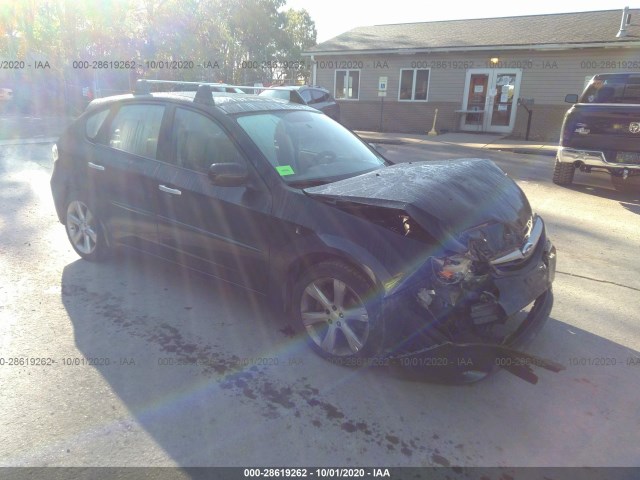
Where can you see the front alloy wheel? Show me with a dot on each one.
(334, 302)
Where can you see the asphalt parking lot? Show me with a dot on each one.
(116, 384)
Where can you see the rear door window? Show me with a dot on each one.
(135, 129)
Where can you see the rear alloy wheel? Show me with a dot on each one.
(563, 173)
(84, 231)
(335, 304)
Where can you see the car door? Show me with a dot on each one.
(122, 170)
(222, 230)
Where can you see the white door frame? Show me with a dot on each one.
(493, 74)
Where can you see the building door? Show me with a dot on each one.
(493, 94)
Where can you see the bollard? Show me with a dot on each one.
(433, 128)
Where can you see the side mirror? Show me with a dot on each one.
(228, 174)
(571, 98)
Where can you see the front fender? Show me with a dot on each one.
(289, 259)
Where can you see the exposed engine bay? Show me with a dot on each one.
(466, 302)
(486, 297)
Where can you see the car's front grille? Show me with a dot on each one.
(533, 232)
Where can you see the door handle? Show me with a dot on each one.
(95, 166)
(172, 191)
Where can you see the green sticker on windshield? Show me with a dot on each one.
(285, 170)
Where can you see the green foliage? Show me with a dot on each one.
(230, 36)
(299, 35)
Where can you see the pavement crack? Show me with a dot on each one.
(598, 280)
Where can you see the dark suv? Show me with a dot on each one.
(367, 258)
(602, 131)
(316, 97)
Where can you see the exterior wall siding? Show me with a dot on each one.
(546, 78)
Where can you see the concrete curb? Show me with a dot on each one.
(522, 148)
(550, 152)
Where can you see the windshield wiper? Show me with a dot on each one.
(308, 183)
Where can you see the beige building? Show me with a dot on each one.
(394, 77)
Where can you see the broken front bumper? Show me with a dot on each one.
(451, 345)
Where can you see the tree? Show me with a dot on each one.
(299, 35)
(244, 40)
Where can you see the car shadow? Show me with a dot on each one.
(628, 200)
(628, 197)
(599, 184)
(216, 378)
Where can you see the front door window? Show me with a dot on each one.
(504, 100)
(476, 99)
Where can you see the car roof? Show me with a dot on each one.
(623, 76)
(227, 103)
(298, 87)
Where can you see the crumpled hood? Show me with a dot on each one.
(447, 198)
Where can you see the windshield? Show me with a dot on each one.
(308, 148)
(613, 89)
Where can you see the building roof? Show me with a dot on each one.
(533, 31)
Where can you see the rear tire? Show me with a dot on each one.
(84, 229)
(337, 308)
(630, 185)
(563, 173)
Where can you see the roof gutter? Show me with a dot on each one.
(414, 51)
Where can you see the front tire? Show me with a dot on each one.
(563, 173)
(336, 305)
(84, 229)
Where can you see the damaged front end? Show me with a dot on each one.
(476, 269)
(462, 314)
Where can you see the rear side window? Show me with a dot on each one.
(94, 123)
(135, 129)
(318, 96)
(306, 95)
(613, 89)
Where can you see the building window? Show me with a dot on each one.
(347, 84)
(414, 85)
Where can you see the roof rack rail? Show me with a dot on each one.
(146, 83)
(142, 88)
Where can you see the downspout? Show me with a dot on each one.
(313, 70)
